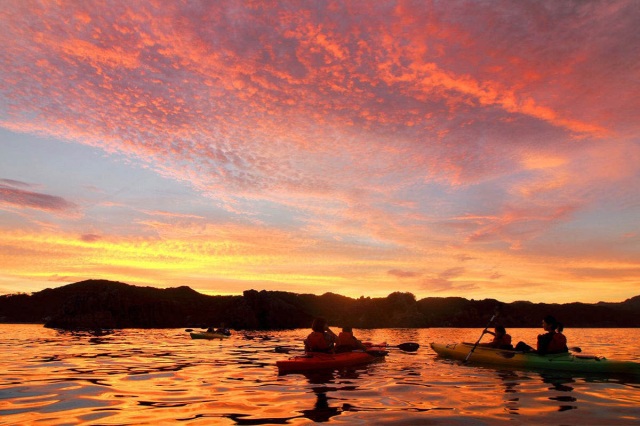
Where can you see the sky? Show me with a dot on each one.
(477, 149)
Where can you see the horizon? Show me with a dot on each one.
(316, 294)
(485, 150)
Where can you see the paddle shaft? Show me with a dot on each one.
(480, 338)
(406, 347)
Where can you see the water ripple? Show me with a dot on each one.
(162, 376)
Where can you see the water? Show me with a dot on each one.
(163, 377)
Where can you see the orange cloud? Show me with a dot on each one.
(356, 141)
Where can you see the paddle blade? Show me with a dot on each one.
(282, 350)
(408, 347)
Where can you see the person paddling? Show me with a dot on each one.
(347, 342)
(551, 342)
(223, 330)
(321, 339)
(501, 340)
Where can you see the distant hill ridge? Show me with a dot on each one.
(101, 304)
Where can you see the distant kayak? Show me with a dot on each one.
(564, 361)
(311, 361)
(208, 336)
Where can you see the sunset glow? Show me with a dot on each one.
(459, 148)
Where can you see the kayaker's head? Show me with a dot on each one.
(319, 325)
(347, 329)
(549, 323)
(500, 330)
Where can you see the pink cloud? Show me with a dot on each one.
(403, 274)
(15, 184)
(33, 200)
(172, 215)
(90, 238)
(517, 225)
(186, 87)
(387, 126)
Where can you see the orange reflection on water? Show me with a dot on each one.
(163, 376)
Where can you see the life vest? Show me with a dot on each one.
(558, 344)
(316, 342)
(503, 342)
(552, 343)
(346, 339)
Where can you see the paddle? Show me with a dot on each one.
(285, 350)
(407, 347)
(480, 338)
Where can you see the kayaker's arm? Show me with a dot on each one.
(331, 333)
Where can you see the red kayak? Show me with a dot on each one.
(324, 361)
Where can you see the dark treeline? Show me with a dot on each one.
(98, 304)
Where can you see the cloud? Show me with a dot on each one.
(15, 184)
(171, 214)
(445, 281)
(90, 238)
(462, 131)
(33, 200)
(403, 274)
(65, 278)
(451, 273)
(191, 92)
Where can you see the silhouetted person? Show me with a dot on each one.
(551, 342)
(501, 340)
(347, 341)
(321, 339)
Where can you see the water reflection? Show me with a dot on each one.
(513, 380)
(518, 384)
(322, 411)
(510, 381)
(561, 384)
(162, 377)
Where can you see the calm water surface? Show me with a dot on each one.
(162, 376)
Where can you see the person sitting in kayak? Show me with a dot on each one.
(321, 339)
(501, 339)
(347, 342)
(551, 342)
(221, 330)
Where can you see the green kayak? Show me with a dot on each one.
(208, 336)
(564, 361)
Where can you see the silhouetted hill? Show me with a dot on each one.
(99, 304)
